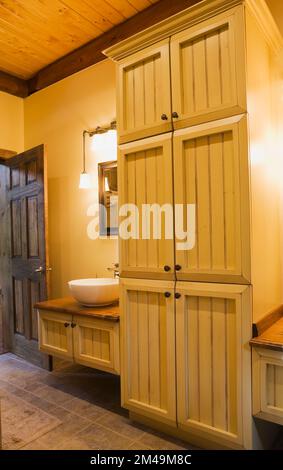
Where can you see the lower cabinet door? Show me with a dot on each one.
(55, 334)
(148, 348)
(268, 384)
(213, 329)
(96, 343)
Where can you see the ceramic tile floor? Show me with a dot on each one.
(87, 404)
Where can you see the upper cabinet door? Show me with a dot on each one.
(208, 70)
(146, 183)
(144, 102)
(211, 174)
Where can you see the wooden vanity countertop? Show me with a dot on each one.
(69, 305)
(270, 337)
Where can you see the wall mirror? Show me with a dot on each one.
(108, 198)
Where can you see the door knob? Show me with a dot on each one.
(167, 268)
(73, 325)
(167, 294)
(177, 295)
(175, 115)
(164, 117)
(39, 270)
(66, 325)
(178, 267)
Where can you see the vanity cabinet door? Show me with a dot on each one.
(268, 384)
(208, 70)
(96, 343)
(211, 173)
(148, 349)
(55, 333)
(145, 180)
(144, 101)
(213, 329)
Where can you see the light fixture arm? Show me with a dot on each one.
(102, 129)
(85, 182)
(84, 134)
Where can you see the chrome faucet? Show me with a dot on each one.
(115, 270)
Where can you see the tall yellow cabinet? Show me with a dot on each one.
(191, 100)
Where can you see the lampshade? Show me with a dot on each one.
(85, 181)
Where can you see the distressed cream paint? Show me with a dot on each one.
(57, 116)
(11, 122)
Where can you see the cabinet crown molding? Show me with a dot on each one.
(267, 24)
(174, 24)
(193, 15)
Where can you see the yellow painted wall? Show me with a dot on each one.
(266, 171)
(57, 116)
(11, 122)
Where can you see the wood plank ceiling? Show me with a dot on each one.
(35, 33)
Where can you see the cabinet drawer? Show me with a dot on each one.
(55, 334)
(268, 384)
(96, 343)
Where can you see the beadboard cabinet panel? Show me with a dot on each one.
(144, 101)
(208, 70)
(268, 384)
(148, 348)
(96, 343)
(211, 171)
(213, 380)
(55, 334)
(145, 177)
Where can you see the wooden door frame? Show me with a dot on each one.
(6, 300)
(5, 328)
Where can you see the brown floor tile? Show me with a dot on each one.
(97, 437)
(87, 403)
(71, 425)
(161, 442)
(74, 443)
(53, 395)
(138, 445)
(85, 409)
(34, 445)
(122, 425)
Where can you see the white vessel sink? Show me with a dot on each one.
(95, 292)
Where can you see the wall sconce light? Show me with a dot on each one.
(85, 180)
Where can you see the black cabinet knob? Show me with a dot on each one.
(66, 325)
(175, 115)
(167, 294)
(167, 268)
(164, 117)
(178, 267)
(73, 325)
(177, 295)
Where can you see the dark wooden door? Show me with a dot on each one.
(26, 199)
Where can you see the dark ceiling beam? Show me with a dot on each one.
(91, 53)
(13, 85)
